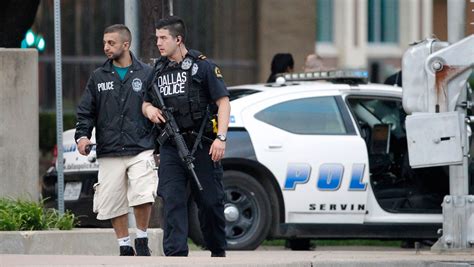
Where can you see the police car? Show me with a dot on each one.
(315, 156)
(324, 155)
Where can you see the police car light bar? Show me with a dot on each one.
(336, 76)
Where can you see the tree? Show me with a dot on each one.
(16, 17)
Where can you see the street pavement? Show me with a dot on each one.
(264, 256)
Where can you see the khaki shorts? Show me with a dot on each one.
(123, 182)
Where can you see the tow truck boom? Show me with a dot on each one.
(436, 95)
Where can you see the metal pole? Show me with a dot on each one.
(456, 20)
(170, 5)
(457, 207)
(131, 9)
(458, 174)
(59, 104)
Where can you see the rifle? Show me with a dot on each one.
(171, 129)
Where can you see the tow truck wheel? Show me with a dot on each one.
(247, 212)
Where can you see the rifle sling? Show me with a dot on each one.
(201, 131)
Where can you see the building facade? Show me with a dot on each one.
(243, 35)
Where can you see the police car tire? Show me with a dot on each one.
(242, 183)
(236, 183)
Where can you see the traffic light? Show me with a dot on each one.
(33, 40)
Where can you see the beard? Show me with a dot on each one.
(116, 55)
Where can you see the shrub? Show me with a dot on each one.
(21, 215)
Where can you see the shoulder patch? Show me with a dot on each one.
(202, 57)
(217, 71)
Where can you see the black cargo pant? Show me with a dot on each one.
(173, 180)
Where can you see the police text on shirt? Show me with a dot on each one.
(172, 83)
(105, 86)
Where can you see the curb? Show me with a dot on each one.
(99, 242)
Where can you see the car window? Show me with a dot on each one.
(316, 115)
(238, 93)
(386, 111)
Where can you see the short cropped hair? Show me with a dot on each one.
(122, 30)
(174, 24)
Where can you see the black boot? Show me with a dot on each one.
(218, 254)
(127, 251)
(141, 245)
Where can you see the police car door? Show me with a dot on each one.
(308, 141)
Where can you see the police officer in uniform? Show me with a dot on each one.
(193, 88)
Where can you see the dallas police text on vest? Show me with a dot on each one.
(172, 83)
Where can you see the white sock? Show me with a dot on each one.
(141, 234)
(125, 241)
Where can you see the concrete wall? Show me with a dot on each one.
(82, 241)
(19, 123)
(285, 27)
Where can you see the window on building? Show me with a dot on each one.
(324, 20)
(383, 21)
(316, 115)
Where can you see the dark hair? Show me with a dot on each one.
(174, 24)
(280, 64)
(394, 79)
(122, 30)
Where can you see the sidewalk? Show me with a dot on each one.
(326, 257)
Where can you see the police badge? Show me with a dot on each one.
(195, 69)
(137, 85)
(186, 64)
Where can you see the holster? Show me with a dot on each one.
(163, 136)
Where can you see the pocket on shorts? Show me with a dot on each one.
(95, 202)
(152, 174)
(151, 164)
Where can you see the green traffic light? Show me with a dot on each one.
(23, 44)
(33, 40)
(41, 43)
(30, 38)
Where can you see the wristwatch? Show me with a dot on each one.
(221, 137)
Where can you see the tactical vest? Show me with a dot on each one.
(182, 92)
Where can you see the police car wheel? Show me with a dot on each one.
(247, 211)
